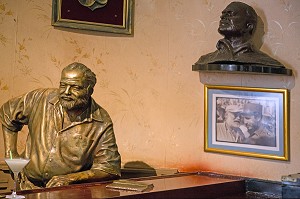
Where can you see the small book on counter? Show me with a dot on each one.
(130, 185)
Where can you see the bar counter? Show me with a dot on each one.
(182, 185)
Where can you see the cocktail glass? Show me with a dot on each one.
(16, 165)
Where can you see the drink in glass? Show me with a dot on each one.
(16, 165)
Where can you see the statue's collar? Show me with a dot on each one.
(225, 45)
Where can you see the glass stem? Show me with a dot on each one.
(15, 183)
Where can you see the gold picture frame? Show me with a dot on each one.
(259, 121)
(114, 16)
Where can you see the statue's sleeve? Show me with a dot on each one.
(107, 157)
(15, 113)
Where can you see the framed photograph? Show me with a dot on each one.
(247, 121)
(113, 16)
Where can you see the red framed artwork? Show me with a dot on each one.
(113, 16)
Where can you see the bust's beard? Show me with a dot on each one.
(232, 31)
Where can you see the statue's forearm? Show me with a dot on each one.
(90, 175)
(10, 142)
(84, 176)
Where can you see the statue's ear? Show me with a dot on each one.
(90, 90)
(250, 27)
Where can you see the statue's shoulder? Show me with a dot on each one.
(256, 56)
(265, 59)
(44, 90)
(99, 112)
(207, 58)
(48, 94)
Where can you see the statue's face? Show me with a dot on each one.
(73, 90)
(233, 20)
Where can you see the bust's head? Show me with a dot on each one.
(238, 20)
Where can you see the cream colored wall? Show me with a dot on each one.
(145, 81)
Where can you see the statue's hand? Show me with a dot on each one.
(57, 181)
(25, 184)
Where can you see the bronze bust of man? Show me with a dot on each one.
(71, 138)
(237, 24)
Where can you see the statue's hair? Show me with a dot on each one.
(89, 75)
(250, 13)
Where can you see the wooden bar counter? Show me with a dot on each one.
(182, 185)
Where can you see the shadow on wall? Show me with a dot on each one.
(258, 38)
(137, 169)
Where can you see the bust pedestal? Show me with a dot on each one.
(245, 75)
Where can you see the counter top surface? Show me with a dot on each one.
(165, 186)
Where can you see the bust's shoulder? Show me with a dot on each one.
(207, 58)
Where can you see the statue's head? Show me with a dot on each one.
(237, 20)
(76, 86)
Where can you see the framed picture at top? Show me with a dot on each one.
(246, 121)
(113, 16)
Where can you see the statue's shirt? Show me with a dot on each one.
(53, 150)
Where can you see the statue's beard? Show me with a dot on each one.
(231, 32)
(75, 103)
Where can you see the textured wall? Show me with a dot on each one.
(145, 81)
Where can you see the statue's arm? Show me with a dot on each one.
(10, 142)
(14, 114)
